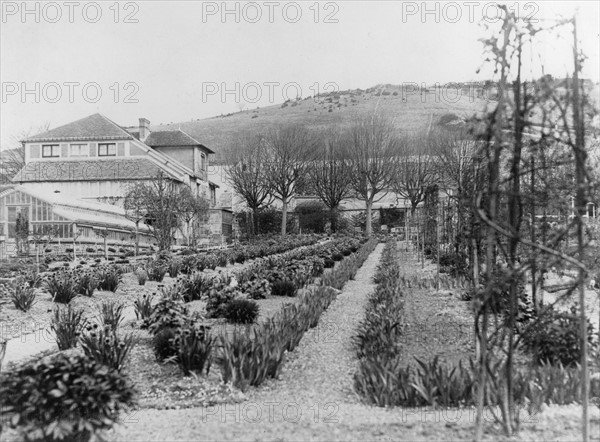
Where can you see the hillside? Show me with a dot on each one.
(414, 112)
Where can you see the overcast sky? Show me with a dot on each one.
(173, 61)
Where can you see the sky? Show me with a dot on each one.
(171, 61)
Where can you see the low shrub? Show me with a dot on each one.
(109, 278)
(67, 324)
(22, 295)
(283, 288)
(168, 313)
(62, 287)
(66, 398)
(104, 345)
(337, 256)
(218, 298)
(257, 288)
(555, 337)
(329, 263)
(163, 344)
(241, 311)
(453, 264)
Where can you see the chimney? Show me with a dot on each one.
(144, 129)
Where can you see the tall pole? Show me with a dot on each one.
(580, 157)
(437, 244)
(533, 266)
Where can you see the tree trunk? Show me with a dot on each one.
(333, 215)
(284, 217)
(369, 226)
(254, 227)
(137, 238)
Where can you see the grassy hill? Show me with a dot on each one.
(410, 112)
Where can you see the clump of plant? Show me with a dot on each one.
(163, 344)
(33, 279)
(168, 313)
(87, 283)
(142, 276)
(283, 288)
(218, 298)
(109, 278)
(250, 358)
(156, 270)
(104, 345)
(337, 256)
(143, 307)
(257, 288)
(454, 264)
(62, 287)
(194, 286)
(66, 398)
(241, 311)
(22, 295)
(111, 314)
(555, 337)
(194, 347)
(174, 267)
(67, 324)
(328, 263)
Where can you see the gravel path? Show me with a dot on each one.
(313, 399)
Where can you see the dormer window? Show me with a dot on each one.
(50, 151)
(79, 150)
(107, 149)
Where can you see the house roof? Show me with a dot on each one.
(172, 138)
(94, 127)
(86, 170)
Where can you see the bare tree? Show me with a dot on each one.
(246, 173)
(290, 150)
(135, 207)
(415, 170)
(191, 208)
(371, 153)
(161, 198)
(330, 175)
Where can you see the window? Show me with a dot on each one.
(79, 150)
(50, 151)
(202, 161)
(107, 149)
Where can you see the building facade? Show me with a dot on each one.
(80, 173)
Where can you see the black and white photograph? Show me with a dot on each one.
(299, 221)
